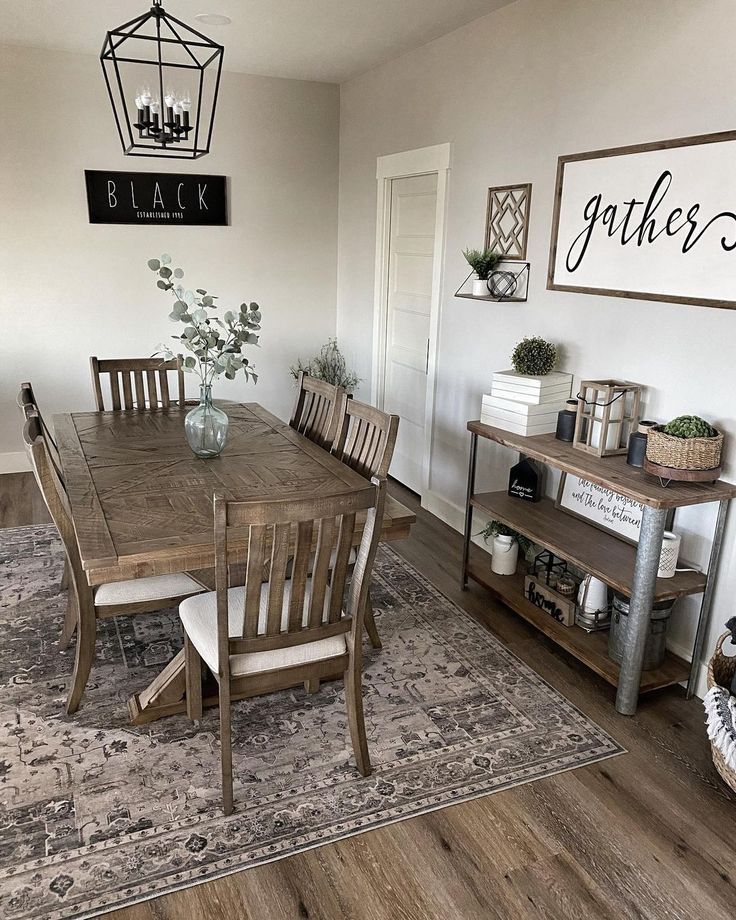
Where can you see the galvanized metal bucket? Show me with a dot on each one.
(655, 647)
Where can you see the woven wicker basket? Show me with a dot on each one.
(684, 453)
(721, 669)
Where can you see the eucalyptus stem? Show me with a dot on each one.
(216, 343)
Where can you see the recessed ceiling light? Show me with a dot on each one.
(213, 19)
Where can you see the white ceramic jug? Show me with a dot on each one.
(505, 555)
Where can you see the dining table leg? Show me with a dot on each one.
(165, 695)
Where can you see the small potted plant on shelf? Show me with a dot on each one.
(688, 447)
(483, 262)
(505, 547)
(329, 365)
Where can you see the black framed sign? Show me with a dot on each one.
(156, 198)
(651, 221)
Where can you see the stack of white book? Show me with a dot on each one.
(525, 405)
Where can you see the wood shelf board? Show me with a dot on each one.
(589, 648)
(593, 550)
(494, 299)
(610, 472)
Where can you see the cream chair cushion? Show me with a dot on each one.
(139, 590)
(199, 618)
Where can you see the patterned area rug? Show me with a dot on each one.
(96, 814)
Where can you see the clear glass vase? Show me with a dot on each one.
(206, 426)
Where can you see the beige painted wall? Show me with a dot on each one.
(511, 92)
(70, 289)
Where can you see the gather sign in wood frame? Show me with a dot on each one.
(652, 221)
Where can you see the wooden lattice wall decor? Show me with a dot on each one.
(507, 219)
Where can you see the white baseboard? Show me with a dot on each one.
(14, 462)
(454, 516)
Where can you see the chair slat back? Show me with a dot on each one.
(315, 409)
(53, 491)
(27, 404)
(136, 383)
(285, 611)
(366, 438)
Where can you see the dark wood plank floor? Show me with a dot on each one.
(649, 834)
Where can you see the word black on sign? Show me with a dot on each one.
(155, 198)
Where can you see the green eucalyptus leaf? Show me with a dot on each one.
(178, 273)
(154, 265)
(188, 297)
(165, 272)
(201, 291)
(161, 284)
(254, 306)
(174, 318)
(165, 259)
(229, 316)
(252, 339)
(190, 362)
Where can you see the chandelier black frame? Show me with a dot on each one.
(147, 124)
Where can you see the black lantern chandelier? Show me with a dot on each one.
(163, 78)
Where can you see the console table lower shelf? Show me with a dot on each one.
(589, 648)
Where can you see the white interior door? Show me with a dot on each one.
(412, 220)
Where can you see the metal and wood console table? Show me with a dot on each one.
(629, 569)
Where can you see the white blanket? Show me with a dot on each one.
(720, 708)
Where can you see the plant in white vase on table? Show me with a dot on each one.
(216, 345)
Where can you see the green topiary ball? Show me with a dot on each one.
(689, 426)
(534, 357)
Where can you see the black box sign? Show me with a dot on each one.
(155, 198)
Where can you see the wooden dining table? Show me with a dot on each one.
(141, 501)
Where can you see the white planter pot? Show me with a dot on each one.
(505, 555)
(480, 287)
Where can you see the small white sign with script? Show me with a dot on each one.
(605, 509)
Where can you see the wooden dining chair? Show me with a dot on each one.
(365, 441)
(366, 438)
(140, 595)
(28, 406)
(269, 636)
(137, 383)
(315, 409)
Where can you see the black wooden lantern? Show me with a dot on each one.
(163, 78)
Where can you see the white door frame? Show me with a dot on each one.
(419, 162)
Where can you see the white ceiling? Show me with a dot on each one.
(327, 40)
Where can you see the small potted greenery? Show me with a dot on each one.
(534, 357)
(505, 546)
(687, 443)
(329, 365)
(483, 262)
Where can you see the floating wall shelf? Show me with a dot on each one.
(509, 283)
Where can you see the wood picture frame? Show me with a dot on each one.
(504, 201)
(649, 221)
(588, 507)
